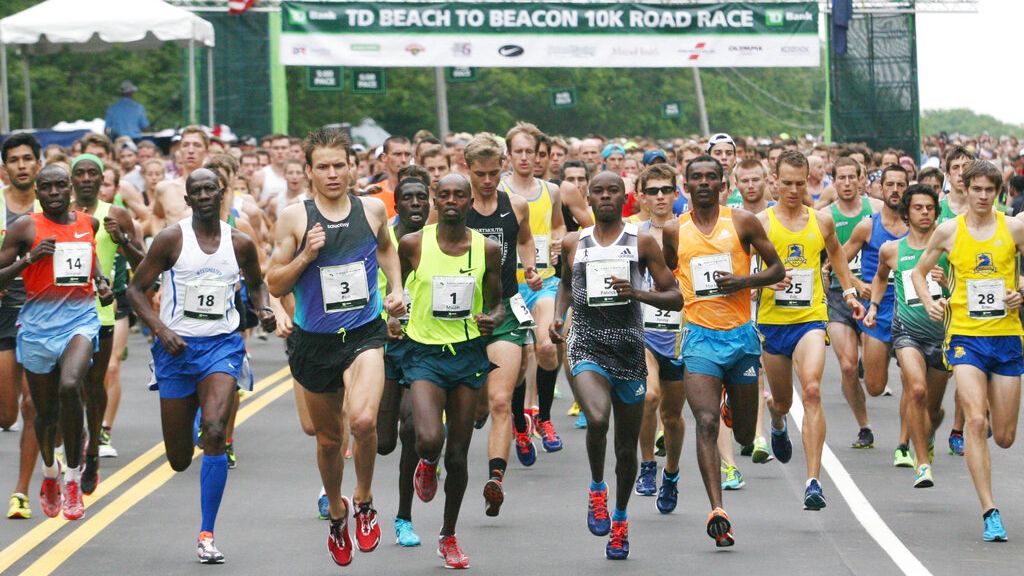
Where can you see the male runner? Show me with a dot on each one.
(327, 253)
(983, 324)
(198, 352)
(722, 147)
(21, 165)
(601, 278)
(168, 199)
(397, 153)
(113, 237)
(791, 314)
(504, 218)
(916, 338)
(665, 393)
(850, 207)
(866, 239)
(454, 275)
(53, 251)
(548, 228)
(269, 181)
(720, 348)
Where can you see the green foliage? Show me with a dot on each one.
(966, 122)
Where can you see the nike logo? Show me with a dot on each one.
(81, 235)
(466, 270)
(503, 214)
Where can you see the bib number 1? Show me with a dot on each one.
(452, 297)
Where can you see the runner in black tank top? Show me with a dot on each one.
(502, 227)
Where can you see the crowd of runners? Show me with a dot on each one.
(431, 287)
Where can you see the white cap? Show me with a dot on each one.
(931, 162)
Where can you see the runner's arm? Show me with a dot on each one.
(570, 195)
(525, 246)
(670, 243)
(836, 256)
(938, 244)
(492, 290)
(118, 223)
(886, 262)
(752, 232)
(157, 260)
(387, 259)
(858, 238)
(249, 262)
(16, 243)
(563, 298)
(665, 294)
(285, 265)
(828, 196)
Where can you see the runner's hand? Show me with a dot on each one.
(45, 247)
(1013, 299)
(623, 288)
(285, 326)
(555, 331)
(939, 275)
(863, 288)
(533, 280)
(394, 303)
(268, 321)
(936, 308)
(781, 285)
(394, 329)
(172, 343)
(727, 283)
(114, 230)
(857, 308)
(103, 291)
(315, 240)
(869, 318)
(485, 323)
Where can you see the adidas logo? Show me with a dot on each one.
(751, 372)
(640, 392)
(626, 253)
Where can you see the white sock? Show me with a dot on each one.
(809, 482)
(73, 474)
(51, 472)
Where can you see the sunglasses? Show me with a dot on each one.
(666, 190)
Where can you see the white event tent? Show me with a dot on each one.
(96, 25)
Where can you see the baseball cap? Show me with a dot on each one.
(720, 138)
(651, 155)
(127, 87)
(612, 149)
(129, 145)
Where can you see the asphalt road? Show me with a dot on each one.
(144, 518)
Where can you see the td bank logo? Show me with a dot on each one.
(296, 16)
(774, 17)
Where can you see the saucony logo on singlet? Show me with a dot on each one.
(466, 270)
(338, 225)
(81, 234)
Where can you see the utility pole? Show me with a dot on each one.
(701, 108)
(441, 95)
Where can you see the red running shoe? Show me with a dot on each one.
(494, 494)
(339, 544)
(726, 410)
(425, 480)
(449, 551)
(49, 496)
(720, 528)
(74, 508)
(367, 530)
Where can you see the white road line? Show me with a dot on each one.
(860, 506)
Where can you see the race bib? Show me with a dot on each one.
(985, 298)
(206, 300)
(599, 282)
(702, 271)
(72, 263)
(662, 320)
(407, 299)
(910, 293)
(800, 291)
(542, 247)
(855, 264)
(521, 312)
(452, 297)
(344, 287)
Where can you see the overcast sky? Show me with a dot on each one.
(988, 42)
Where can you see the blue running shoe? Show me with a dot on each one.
(549, 439)
(956, 443)
(646, 481)
(994, 531)
(782, 446)
(618, 543)
(525, 450)
(668, 495)
(733, 478)
(598, 520)
(581, 421)
(404, 534)
(813, 497)
(323, 506)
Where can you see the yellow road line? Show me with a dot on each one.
(49, 527)
(88, 530)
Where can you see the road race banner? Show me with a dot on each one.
(539, 34)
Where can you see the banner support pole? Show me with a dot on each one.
(702, 110)
(441, 96)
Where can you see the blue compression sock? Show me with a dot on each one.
(598, 485)
(213, 476)
(618, 515)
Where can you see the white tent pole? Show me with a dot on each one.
(5, 110)
(26, 122)
(209, 86)
(191, 81)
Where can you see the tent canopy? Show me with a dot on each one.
(96, 25)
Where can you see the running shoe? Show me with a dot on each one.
(49, 495)
(449, 551)
(481, 421)
(207, 551)
(760, 454)
(558, 393)
(425, 480)
(19, 508)
(865, 439)
(923, 477)
(598, 520)
(901, 457)
(720, 528)
(525, 450)
(646, 481)
(106, 449)
(956, 443)
(367, 529)
(887, 391)
(494, 495)
(404, 534)
(994, 530)
(91, 474)
(659, 444)
(726, 410)
(581, 421)
(229, 451)
(339, 544)
(531, 420)
(574, 410)
(668, 495)
(747, 449)
(73, 506)
(782, 446)
(733, 478)
(323, 506)
(549, 439)
(814, 499)
(618, 542)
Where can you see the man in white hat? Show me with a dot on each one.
(126, 117)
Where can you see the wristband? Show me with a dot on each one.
(849, 292)
(267, 309)
(875, 304)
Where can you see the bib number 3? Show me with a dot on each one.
(344, 287)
